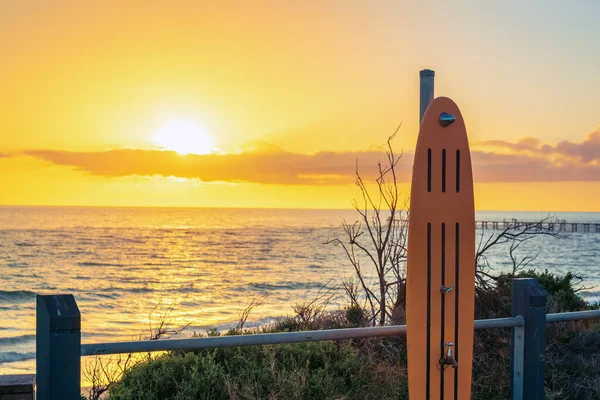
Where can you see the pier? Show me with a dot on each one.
(550, 225)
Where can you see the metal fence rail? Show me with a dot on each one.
(305, 336)
(59, 349)
(270, 338)
(572, 316)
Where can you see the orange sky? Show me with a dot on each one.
(275, 101)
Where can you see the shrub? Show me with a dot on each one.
(177, 377)
(371, 368)
(317, 370)
(572, 348)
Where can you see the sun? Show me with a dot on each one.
(184, 136)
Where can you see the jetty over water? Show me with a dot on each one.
(547, 225)
(550, 225)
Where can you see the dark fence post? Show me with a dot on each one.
(529, 301)
(58, 348)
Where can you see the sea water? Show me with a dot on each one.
(126, 266)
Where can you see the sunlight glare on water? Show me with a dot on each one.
(121, 263)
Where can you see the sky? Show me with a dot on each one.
(272, 104)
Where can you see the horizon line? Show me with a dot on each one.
(253, 208)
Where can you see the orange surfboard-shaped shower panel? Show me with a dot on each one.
(440, 280)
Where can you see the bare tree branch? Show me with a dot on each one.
(250, 306)
(385, 245)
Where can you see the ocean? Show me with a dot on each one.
(126, 266)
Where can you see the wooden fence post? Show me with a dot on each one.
(58, 348)
(17, 387)
(529, 301)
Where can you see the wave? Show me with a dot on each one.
(11, 341)
(286, 285)
(13, 296)
(98, 264)
(590, 296)
(13, 356)
(110, 292)
(24, 244)
(139, 290)
(211, 261)
(17, 265)
(138, 279)
(108, 295)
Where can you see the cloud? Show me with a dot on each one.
(274, 166)
(527, 160)
(495, 167)
(586, 151)
(531, 160)
(5, 155)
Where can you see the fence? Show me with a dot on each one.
(59, 349)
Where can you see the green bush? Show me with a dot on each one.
(571, 350)
(177, 377)
(562, 294)
(371, 368)
(496, 301)
(318, 370)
